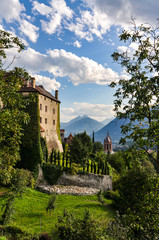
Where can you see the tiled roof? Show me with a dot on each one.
(41, 129)
(40, 90)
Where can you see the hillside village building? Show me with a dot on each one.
(68, 139)
(108, 144)
(49, 108)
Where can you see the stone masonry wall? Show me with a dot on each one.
(103, 182)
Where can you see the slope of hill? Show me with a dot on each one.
(107, 120)
(65, 124)
(114, 130)
(81, 124)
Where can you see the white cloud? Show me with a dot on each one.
(80, 69)
(119, 12)
(77, 44)
(79, 30)
(96, 111)
(41, 8)
(48, 83)
(1, 27)
(30, 30)
(57, 12)
(66, 64)
(10, 10)
(103, 14)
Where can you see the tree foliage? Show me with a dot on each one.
(13, 104)
(137, 205)
(81, 148)
(138, 93)
(97, 146)
(71, 228)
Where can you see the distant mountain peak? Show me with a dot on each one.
(85, 116)
(81, 124)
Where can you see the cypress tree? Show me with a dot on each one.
(91, 167)
(88, 166)
(55, 156)
(58, 157)
(93, 137)
(66, 159)
(63, 159)
(94, 168)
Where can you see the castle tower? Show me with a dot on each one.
(107, 144)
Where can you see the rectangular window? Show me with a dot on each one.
(53, 110)
(40, 106)
(53, 122)
(40, 119)
(44, 98)
(45, 108)
(45, 120)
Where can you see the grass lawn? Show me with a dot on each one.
(31, 216)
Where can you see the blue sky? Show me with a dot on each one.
(69, 45)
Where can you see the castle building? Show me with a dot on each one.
(49, 108)
(108, 144)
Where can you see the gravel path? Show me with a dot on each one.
(72, 190)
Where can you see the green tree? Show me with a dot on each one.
(81, 148)
(117, 161)
(12, 112)
(51, 204)
(97, 147)
(93, 137)
(137, 95)
(138, 205)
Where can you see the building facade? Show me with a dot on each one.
(49, 108)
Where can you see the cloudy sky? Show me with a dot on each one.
(69, 45)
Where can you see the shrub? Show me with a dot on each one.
(71, 228)
(100, 197)
(5, 177)
(44, 236)
(16, 233)
(73, 169)
(20, 179)
(52, 172)
(113, 195)
(8, 210)
(51, 203)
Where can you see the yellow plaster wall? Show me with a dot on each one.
(50, 129)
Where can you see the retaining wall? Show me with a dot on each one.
(103, 182)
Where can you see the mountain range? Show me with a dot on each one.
(81, 124)
(85, 123)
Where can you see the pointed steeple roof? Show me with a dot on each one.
(108, 139)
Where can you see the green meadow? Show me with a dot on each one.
(31, 216)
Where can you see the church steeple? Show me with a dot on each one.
(108, 143)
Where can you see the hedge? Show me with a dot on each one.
(52, 172)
